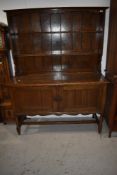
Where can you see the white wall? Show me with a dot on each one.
(17, 4)
(103, 64)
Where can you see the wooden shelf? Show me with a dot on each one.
(50, 53)
(55, 32)
(57, 78)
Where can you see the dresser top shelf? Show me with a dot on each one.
(57, 78)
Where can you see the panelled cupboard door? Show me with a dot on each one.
(82, 98)
(33, 100)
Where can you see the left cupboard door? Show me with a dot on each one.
(33, 100)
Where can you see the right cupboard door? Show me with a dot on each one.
(83, 98)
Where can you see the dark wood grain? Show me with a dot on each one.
(57, 54)
(111, 71)
(6, 113)
(111, 51)
(36, 34)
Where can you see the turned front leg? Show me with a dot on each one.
(18, 124)
(100, 123)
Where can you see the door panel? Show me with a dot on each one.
(33, 100)
(82, 98)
